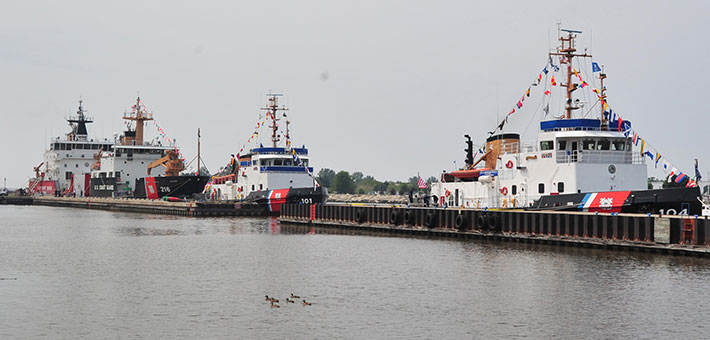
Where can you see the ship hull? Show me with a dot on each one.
(670, 201)
(271, 200)
(103, 187)
(43, 187)
(169, 186)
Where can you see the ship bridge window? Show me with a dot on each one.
(547, 145)
(588, 144)
(619, 146)
(62, 146)
(561, 145)
(603, 145)
(287, 162)
(278, 162)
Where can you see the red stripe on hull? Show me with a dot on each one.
(276, 199)
(151, 190)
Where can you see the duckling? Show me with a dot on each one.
(295, 296)
(290, 301)
(306, 303)
(273, 305)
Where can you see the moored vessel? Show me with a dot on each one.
(143, 169)
(577, 162)
(269, 176)
(65, 170)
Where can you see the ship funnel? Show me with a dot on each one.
(500, 144)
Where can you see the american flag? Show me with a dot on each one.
(420, 183)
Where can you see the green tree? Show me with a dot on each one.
(380, 186)
(343, 183)
(357, 177)
(404, 187)
(391, 188)
(413, 180)
(325, 177)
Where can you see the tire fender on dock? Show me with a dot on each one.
(461, 221)
(394, 217)
(430, 219)
(482, 221)
(360, 215)
(408, 217)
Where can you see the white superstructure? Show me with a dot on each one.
(130, 158)
(68, 160)
(564, 160)
(264, 169)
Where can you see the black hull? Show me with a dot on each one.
(170, 186)
(671, 201)
(271, 200)
(103, 187)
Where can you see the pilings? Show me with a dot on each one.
(668, 234)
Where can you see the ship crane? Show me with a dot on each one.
(36, 170)
(97, 157)
(172, 163)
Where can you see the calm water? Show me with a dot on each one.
(71, 273)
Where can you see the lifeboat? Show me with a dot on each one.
(463, 175)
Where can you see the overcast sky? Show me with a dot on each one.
(384, 87)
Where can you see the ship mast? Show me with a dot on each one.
(78, 124)
(139, 116)
(271, 110)
(567, 50)
(198, 153)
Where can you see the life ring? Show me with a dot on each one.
(509, 164)
(504, 191)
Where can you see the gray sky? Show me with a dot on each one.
(406, 79)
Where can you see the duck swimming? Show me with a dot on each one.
(306, 303)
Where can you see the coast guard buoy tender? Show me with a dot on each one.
(583, 164)
(269, 176)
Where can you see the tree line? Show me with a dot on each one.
(344, 182)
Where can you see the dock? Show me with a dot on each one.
(676, 235)
(147, 206)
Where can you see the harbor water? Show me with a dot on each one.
(85, 274)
